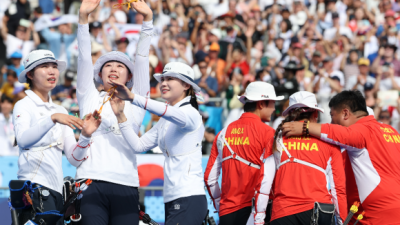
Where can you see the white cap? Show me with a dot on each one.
(96, 47)
(38, 57)
(259, 91)
(302, 99)
(370, 111)
(181, 71)
(113, 56)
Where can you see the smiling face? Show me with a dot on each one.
(173, 89)
(115, 71)
(44, 76)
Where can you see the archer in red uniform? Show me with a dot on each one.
(372, 156)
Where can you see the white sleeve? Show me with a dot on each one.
(147, 142)
(76, 153)
(26, 135)
(86, 90)
(183, 117)
(211, 176)
(263, 189)
(141, 79)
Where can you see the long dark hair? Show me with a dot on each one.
(193, 100)
(294, 115)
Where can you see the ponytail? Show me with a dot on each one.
(294, 115)
(193, 99)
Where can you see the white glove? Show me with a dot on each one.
(259, 218)
(216, 203)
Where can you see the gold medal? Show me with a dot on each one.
(119, 5)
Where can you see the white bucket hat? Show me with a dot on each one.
(181, 71)
(113, 56)
(259, 91)
(38, 57)
(302, 99)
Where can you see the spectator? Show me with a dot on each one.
(8, 87)
(337, 29)
(209, 134)
(97, 51)
(286, 84)
(352, 65)
(316, 62)
(16, 11)
(154, 85)
(216, 64)
(386, 80)
(237, 59)
(122, 45)
(7, 135)
(59, 41)
(21, 41)
(362, 79)
(384, 117)
(19, 91)
(16, 64)
(207, 83)
(386, 56)
(327, 83)
(62, 92)
(47, 6)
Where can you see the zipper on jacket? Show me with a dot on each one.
(189, 168)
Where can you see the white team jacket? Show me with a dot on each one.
(178, 134)
(110, 158)
(34, 131)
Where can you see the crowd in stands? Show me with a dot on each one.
(320, 46)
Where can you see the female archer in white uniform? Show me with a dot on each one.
(43, 131)
(179, 134)
(113, 196)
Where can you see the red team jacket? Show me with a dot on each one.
(372, 167)
(248, 137)
(296, 186)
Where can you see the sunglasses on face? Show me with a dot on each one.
(384, 117)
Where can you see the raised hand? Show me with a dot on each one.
(68, 120)
(87, 7)
(90, 123)
(141, 7)
(121, 91)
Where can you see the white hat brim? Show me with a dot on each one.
(300, 105)
(182, 77)
(112, 56)
(243, 98)
(61, 66)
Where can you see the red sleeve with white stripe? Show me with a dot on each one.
(263, 188)
(337, 180)
(345, 137)
(213, 170)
